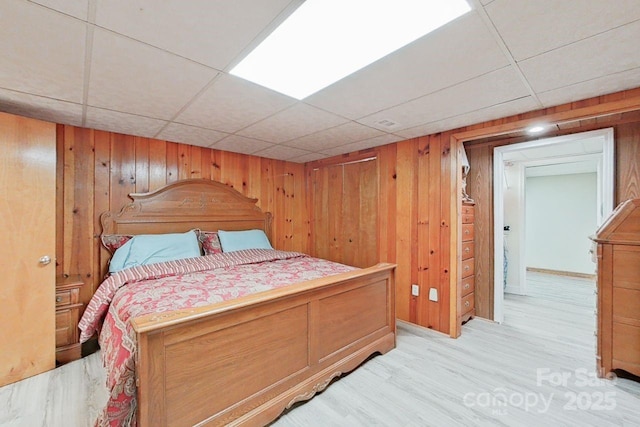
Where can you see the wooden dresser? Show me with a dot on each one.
(618, 242)
(467, 286)
(68, 308)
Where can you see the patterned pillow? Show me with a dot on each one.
(114, 241)
(210, 242)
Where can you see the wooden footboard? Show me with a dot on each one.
(243, 362)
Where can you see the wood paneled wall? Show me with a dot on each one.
(480, 181)
(419, 183)
(414, 182)
(418, 189)
(97, 170)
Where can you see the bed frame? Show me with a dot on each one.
(243, 362)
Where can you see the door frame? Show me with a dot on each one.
(606, 181)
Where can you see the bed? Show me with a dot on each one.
(245, 360)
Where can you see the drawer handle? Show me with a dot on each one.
(467, 250)
(466, 267)
(466, 303)
(466, 285)
(58, 299)
(467, 231)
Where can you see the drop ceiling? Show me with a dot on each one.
(578, 155)
(160, 70)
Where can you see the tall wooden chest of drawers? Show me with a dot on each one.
(618, 242)
(467, 285)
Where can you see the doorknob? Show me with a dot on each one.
(45, 260)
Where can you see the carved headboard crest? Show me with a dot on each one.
(184, 205)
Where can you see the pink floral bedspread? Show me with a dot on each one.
(174, 285)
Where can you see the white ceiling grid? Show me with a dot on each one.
(160, 70)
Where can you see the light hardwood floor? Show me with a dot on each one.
(537, 368)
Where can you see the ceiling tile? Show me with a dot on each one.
(568, 168)
(292, 123)
(592, 145)
(617, 51)
(212, 32)
(115, 121)
(482, 115)
(76, 8)
(443, 58)
(602, 85)
(177, 132)
(231, 103)
(38, 107)
(485, 91)
(132, 77)
(513, 156)
(305, 158)
(339, 135)
(554, 151)
(240, 144)
(280, 152)
(42, 51)
(363, 145)
(530, 28)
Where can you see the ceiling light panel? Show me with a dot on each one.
(324, 41)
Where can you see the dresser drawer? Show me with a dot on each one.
(468, 303)
(467, 210)
(63, 298)
(468, 285)
(626, 267)
(64, 333)
(468, 267)
(467, 232)
(467, 250)
(467, 218)
(626, 346)
(627, 305)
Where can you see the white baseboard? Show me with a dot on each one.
(512, 289)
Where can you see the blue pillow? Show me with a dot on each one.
(120, 257)
(153, 248)
(232, 241)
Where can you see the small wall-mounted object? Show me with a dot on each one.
(433, 294)
(415, 290)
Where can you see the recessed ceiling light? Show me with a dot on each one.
(324, 41)
(536, 129)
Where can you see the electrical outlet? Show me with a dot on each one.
(415, 290)
(433, 294)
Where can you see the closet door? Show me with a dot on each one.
(27, 252)
(327, 212)
(360, 213)
(345, 213)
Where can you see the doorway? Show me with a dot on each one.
(591, 150)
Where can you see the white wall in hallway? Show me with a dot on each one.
(514, 218)
(560, 217)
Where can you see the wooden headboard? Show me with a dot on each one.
(184, 205)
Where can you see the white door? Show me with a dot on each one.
(27, 247)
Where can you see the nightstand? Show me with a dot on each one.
(68, 307)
